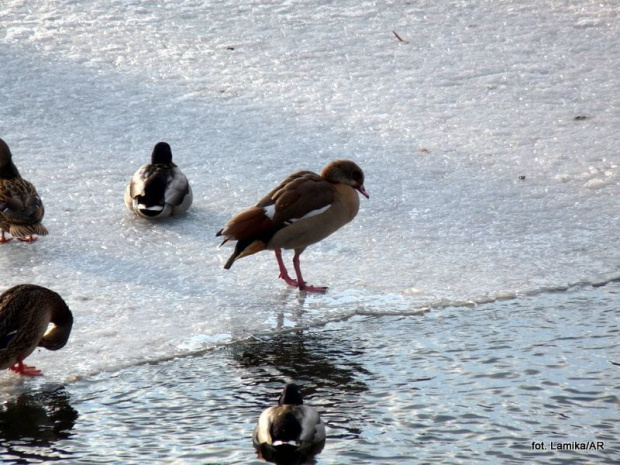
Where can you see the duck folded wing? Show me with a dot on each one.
(303, 194)
(9, 323)
(300, 195)
(13, 301)
(140, 179)
(262, 432)
(5, 339)
(19, 202)
(313, 429)
(177, 188)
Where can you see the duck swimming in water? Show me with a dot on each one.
(159, 189)
(26, 311)
(289, 429)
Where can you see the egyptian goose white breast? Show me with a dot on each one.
(159, 189)
(289, 429)
(304, 209)
(21, 208)
(26, 311)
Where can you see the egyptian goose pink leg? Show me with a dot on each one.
(300, 280)
(30, 238)
(283, 271)
(24, 370)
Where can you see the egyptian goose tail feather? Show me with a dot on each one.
(252, 229)
(249, 224)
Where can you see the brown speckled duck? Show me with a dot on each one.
(21, 209)
(304, 209)
(289, 430)
(159, 189)
(26, 311)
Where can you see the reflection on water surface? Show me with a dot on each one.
(486, 384)
(31, 424)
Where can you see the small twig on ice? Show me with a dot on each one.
(400, 39)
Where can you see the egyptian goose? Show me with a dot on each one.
(289, 428)
(21, 209)
(158, 189)
(26, 311)
(305, 208)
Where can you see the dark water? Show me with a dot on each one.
(455, 385)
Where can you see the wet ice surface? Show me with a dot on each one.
(458, 385)
(489, 142)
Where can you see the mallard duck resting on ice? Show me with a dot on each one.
(26, 311)
(159, 189)
(21, 209)
(304, 209)
(290, 429)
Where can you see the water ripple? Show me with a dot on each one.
(504, 382)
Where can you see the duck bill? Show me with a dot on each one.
(363, 191)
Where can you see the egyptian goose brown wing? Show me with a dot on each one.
(300, 195)
(297, 196)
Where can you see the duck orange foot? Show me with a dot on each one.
(25, 370)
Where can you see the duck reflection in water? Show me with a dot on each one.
(31, 422)
(290, 432)
(318, 360)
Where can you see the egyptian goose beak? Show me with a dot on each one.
(304, 209)
(362, 190)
